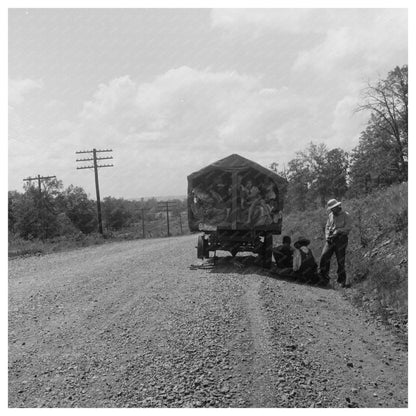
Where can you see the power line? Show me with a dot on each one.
(95, 166)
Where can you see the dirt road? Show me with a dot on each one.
(132, 325)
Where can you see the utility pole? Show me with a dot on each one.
(167, 205)
(40, 179)
(143, 210)
(95, 166)
(180, 222)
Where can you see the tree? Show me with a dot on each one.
(315, 175)
(51, 211)
(77, 206)
(26, 213)
(374, 162)
(13, 201)
(387, 100)
(315, 160)
(334, 174)
(298, 177)
(116, 213)
(35, 211)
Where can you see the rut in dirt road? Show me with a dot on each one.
(263, 392)
(132, 325)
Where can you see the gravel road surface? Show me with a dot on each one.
(131, 324)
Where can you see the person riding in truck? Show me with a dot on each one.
(251, 197)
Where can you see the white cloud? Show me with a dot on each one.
(18, 89)
(192, 108)
(335, 51)
(324, 57)
(358, 45)
(360, 40)
(187, 117)
(184, 119)
(258, 21)
(110, 98)
(63, 126)
(346, 122)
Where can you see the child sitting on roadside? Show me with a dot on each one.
(304, 264)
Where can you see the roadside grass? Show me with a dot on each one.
(19, 247)
(377, 253)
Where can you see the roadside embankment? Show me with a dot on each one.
(377, 252)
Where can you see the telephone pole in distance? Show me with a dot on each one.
(167, 205)
(180, 222)
(39, 179)
(142, 211)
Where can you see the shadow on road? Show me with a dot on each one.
(243, 264)
(283, 278)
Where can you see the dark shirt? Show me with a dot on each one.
(283, 256)
(304, 261)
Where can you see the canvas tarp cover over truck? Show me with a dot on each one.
(235, 193)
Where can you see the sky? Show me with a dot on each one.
(173, 90)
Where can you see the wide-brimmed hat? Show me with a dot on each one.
(301, 241)
(332, 203)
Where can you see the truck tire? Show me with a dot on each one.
(267, 251)
(202, 248)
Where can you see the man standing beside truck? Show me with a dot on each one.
(337, 229)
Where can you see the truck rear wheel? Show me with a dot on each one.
(202, 248)
(267, 251)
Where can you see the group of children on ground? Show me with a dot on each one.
(299, 264)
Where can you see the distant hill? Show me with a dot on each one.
(161, 198)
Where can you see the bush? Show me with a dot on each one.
(24, 247)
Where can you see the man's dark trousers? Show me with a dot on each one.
(338, 246)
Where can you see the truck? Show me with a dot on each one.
(236, 205)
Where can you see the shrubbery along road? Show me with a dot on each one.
(130, 324)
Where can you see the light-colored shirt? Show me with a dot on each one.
(338, 224)
(297, 257)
